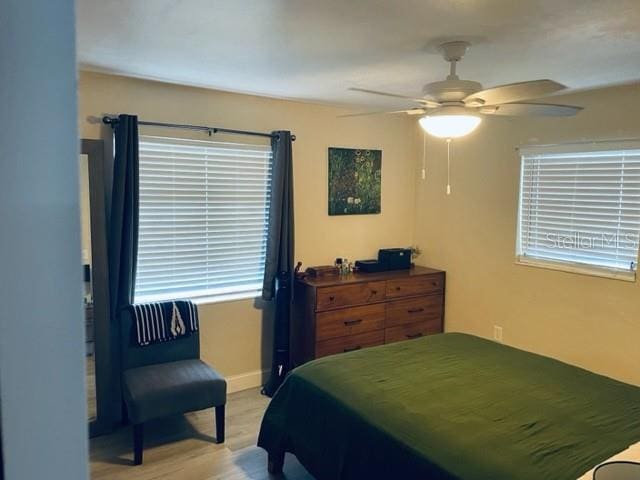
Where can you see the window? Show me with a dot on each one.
(580, 209)
(203, 218)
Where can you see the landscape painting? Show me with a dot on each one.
(354, 181)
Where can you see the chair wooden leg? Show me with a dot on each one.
(220, 424)
(138, 442)
(275, 462)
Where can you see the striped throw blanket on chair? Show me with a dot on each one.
(158, 322)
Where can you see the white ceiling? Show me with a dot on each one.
(315, 49)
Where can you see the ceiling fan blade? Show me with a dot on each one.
(513, 92)
(424, 101)
(531, 110)
(412, 111)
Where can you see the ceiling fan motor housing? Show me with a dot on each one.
(453, 90)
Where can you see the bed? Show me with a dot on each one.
(448, 406)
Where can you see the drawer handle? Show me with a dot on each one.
(415, 310)
(374, 292)
(352, 349)
(414, 335)
(348, 323)
(435, 284)
(332, 298)
(398, 289)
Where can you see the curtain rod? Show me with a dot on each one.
(201, 128)
(581, 142)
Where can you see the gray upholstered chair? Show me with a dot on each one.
(166, 379)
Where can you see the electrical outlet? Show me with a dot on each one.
(497, 333)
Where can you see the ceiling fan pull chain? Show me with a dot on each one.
(448, 166)
(424, 155)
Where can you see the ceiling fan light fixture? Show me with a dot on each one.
(450, 125)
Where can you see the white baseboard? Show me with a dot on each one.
(245, 381)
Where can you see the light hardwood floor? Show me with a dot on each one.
(184, 447)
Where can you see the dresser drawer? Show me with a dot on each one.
(346, 295)
(412, 330)
(411, 310)
(407, 287)
(349, 343)
(349, 321)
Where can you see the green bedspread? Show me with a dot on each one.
(449, 406)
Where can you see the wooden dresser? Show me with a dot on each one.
(335, 314)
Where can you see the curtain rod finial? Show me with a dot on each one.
(107, 120)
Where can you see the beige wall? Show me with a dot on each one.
(85, 209)
(236, 335)
(587, 321)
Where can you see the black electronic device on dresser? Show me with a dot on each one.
(369, 266)
(395, 258)
(388, 259)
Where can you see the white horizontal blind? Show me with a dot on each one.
(203, 218)
(581, 208)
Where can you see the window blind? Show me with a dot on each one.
(580, 208)
(203, 218)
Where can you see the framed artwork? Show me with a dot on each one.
(354, 181)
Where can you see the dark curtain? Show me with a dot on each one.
(123, 232)
(278, 272)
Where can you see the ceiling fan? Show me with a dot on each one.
(453, 107)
